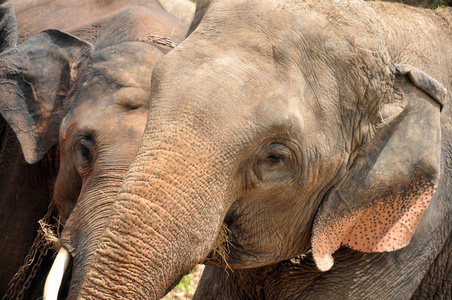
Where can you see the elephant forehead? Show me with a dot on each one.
(111, 103)
(335, 11)
(127, 64)
(118, 76)
(103, 93)
(278, 20)
(105, 106)
(107, 122)
(114, 90)
(328, 53)
(303, 32)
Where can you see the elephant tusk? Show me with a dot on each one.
(55, 277)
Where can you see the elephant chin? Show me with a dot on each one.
(55, 277)
(226, 254)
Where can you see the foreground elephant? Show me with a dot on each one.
(92, 100)
(279, 132)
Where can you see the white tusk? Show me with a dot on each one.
(55, 277)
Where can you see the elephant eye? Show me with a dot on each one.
(274, 163)
(274, 159)
(85, 153)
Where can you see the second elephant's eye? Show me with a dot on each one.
(85, 148)
(86, 153)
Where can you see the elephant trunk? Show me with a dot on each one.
(163, 225)
(83, 229)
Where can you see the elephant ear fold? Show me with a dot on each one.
(391, 179)
(35, 79)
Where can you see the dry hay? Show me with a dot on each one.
(51, 234)
(222, 246)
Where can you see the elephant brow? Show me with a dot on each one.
(68, 131)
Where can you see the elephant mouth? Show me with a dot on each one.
(226, 253)
(220, 254)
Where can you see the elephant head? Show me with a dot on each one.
(274, 128)
(92, 100)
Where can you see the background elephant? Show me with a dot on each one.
(309, 133)
(88, 94)
(25, 190)
(70, 15)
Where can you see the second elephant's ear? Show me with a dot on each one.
(378, 205)
(201, 9)
(8, 25)
(35, 78)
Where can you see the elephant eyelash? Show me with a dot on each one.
(86, 153)
(275, 159)
(85, 148)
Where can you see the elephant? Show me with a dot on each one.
(299, 149)
(34, 16)
(25, 190)
(73, 107)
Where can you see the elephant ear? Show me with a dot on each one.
(35, 78)
(201, 9)
(8, 25)
(390, 183)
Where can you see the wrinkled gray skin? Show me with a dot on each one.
(299, 126)
(90, 96)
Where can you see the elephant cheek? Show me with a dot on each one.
(67, 190)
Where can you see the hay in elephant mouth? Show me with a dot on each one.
(221, 248)
(51, 234)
